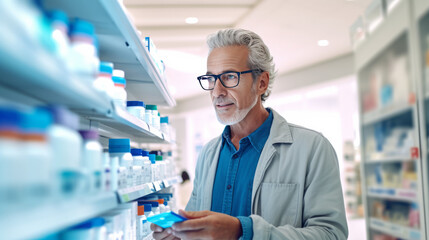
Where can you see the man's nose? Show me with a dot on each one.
(219, 89)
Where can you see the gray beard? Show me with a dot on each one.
(238, 116)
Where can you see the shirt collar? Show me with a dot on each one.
(256, 138)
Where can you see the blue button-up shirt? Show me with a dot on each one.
(232, 189)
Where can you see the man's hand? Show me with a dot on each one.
(207, 225)
(162, 234)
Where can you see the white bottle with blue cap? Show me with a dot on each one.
(147, 167)
(137, 165)
(119, 93)
(121, 148)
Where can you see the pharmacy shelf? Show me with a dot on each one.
(121, 44)
(386, 112)
(421, 8)
(42, 77)
(133, 193)
(393, 26)
(32, 223)
(394, 229)
(407, 195)
(122, 124)
(392, 157)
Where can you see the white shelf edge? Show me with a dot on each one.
(47, 219)
(386, 112)
(133, 193)
(388, 158)
(399, 194)
(129, 31)
(394, 229)
(47, 73)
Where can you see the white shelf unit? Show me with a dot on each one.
(133, 193)
(420, 25)
(121, 44)
(396, 28)
(39, 221)
(407, 195)
(386, 112)
(383, 157)
(43, 79)
(395, 230)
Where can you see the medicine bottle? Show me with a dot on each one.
(11, 161)
(141, 223)
(60, 29)
(137, 166)
(154, 167)
(121, 148)
(114, 173)
(147, 167)
(148, 115)
(165, 128)
(37, 168)
(148, 213)
(66, 142)
(103, 82)
(137, 109)
(92, 160)
(83, 57)
(119, 93)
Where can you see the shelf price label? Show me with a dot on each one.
(414, 152)
(157, 186)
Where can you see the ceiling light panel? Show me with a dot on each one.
(169, 16)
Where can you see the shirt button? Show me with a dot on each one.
(228, 187)
(234, 156)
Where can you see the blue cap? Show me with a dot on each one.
(84, 225)
(80, 26)
(135, 103)
(58, 16)
(145, 153)
(106, 67)
(119, 80)
(37, 120)
(119, 145)
(164, 120)
(147, 207)
(9, 118)
(152, 158)
(136, 152)
(97, 222)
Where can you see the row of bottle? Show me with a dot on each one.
(400, 213)
(391, 137)
(71, 42)
(393, 175)
(126, 222)
(148, 114)
(43, 157)
(132, 167)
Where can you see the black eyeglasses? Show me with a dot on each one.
(228, 79)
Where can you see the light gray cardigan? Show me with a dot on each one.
(296, 189)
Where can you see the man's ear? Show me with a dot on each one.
(264, 80)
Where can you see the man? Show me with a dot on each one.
(263, 178)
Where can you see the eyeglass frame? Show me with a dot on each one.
(217, 76)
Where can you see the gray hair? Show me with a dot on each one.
(259, 54)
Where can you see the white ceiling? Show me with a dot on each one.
(290, 28)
